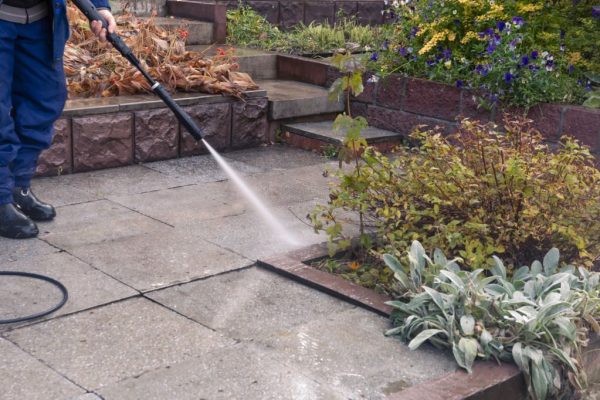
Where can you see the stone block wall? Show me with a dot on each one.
(287, 13)
(399, 104)
(129, 130)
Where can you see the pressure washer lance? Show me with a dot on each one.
(90, 11)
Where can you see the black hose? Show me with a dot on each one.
(60, 286)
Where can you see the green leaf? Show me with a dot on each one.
(593, 76)
(551, 261)
(566, 327)
(423, 337)
(356, 83)
(539, 381)
(393, 263)
(394, 331)
(498, 268)
(455, 279)
(468, 346)
(467, 324)
(519, 358)
(536, 268)
(436, 297)
(592, 102)
(417, 255)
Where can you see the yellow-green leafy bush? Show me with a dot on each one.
(478, 192)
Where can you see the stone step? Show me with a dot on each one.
(199, 32)
(319, 135)
(259, 64)
(291, 99)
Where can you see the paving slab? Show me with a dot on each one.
(292, 99)
(232, 303)
(198, 169)
(11, 249)
(23, 377)
(276, 157)
(87, 287)
(254, 238)
(94, 222)
(155, 260)
(323, 130)
(122, 340)
(235, 372)
(120, 181)
(57, 192)
(349, 351)
(190, 204)
(185, 205)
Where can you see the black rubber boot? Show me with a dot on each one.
(32, 206)
(14, 224)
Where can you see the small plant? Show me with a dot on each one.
(477, 192)
(540, 318)
(246, 27)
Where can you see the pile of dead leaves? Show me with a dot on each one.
(95, 69)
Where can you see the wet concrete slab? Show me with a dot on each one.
(123, 340)
(332, 342)
(200, 169)
(160, 259)
(87, 287)
(95, 222)
(235, 372)
(121, 181)
(276, 157)
(24, 377)
(232, 303)
(254, 238)
(350, 352)
(185, 205)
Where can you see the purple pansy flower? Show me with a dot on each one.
(459, 83)
(518, 21)
(524, 60)
(374, 56)
(534, 55)
(501, 25)
(508, 77)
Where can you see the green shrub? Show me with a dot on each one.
(539, 318)
(477, 192)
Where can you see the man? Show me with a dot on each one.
(32, 96)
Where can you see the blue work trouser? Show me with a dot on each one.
(32, 96)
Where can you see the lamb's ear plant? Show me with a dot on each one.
(539, 317)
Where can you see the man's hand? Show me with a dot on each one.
(96, 26)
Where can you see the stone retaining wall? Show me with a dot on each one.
(104, 133)
(399, 104)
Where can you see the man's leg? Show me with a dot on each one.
(9, 141)
(38, 95)
(13, 223)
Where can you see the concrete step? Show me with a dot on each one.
(259, 64)
(291, 99)
(320, 135)
(199, 32)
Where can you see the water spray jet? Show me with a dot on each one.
(90, 11)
